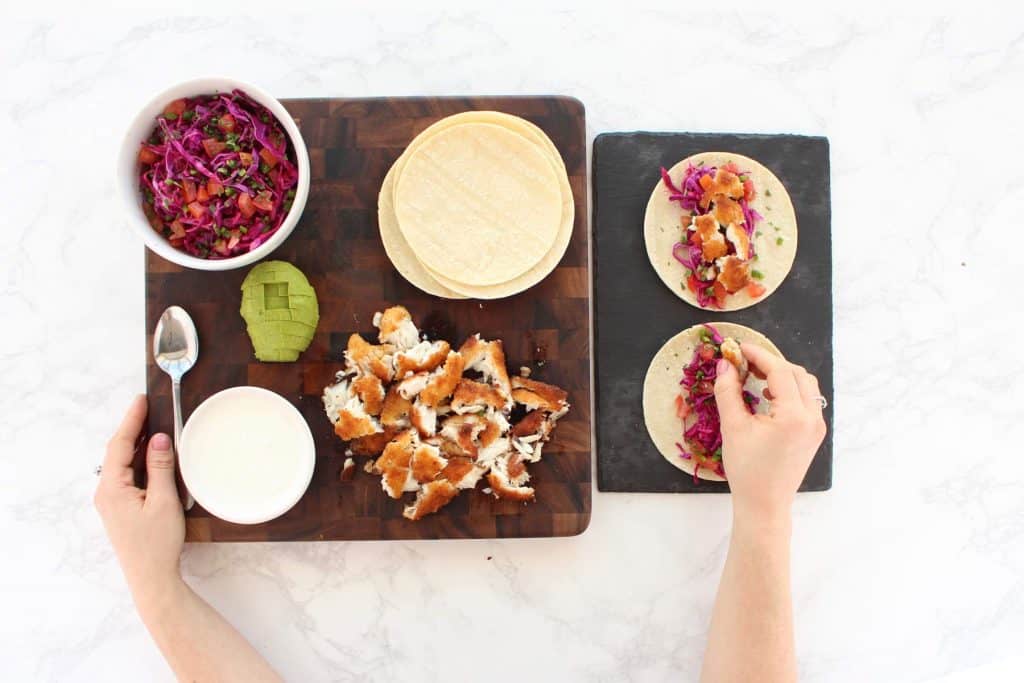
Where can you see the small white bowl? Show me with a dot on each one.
(246, 455)
(128, 172)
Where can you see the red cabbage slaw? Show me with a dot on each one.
(688, 194)
(702, 434)
(217, 175)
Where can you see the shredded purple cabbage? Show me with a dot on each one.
(702, 433)
(217, 175)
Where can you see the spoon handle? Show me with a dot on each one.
(176, 400)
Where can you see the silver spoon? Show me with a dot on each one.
(175, 350)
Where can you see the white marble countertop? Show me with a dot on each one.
(911, 568)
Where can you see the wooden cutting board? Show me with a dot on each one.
(352, 143)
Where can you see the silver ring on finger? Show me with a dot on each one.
(822, 401)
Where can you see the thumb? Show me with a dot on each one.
(160, 469)
(729, 397)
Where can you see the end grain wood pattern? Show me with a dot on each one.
(352, 143)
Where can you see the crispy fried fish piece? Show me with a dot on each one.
(733, 273)
(353, 422)
(370, 391)
(394, 465)
(727, 210)
(501, 487)
(724, 184)
(372, 445)
(712, 243)
(442, 383)
(431, 498)
(532, 423)
(732, 352)
(426, 462)
(423, 357)
(424, 419)
(462, 472)
(471, 396)
(740, 240)
(487, 358)
(397, 328)
(395, 410)
(534, 395)
(368, 358)
(463, 430)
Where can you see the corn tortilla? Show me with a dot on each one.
(478, 203)
(402, 256)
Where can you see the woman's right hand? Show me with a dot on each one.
(766, 456)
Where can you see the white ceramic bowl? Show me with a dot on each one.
(246, 455)
(128, 172)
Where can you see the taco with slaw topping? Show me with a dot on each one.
(679, 394)
(720, 231)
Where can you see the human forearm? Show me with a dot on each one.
(197, 642)
(751, 636)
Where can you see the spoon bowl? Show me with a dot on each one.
(175, 342)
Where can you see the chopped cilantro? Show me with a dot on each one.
(757, 274)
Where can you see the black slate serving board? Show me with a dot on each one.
(635, 313)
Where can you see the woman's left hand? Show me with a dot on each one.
(145, 526)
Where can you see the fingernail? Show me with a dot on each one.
(722, 367)
(160, 442)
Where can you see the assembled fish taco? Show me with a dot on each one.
(679, 394)
(720, 231)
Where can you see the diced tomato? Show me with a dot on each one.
(245, 205)
(245, 158)
(227, 123)
(707, 351)
(196, 209)
(268, 157)
(755, 290)
(263, 201)
(731, 167)
(221, 247)
(275, 177)
(213, 188)
(175, 108)
(177, 229)
(720, 293)
(202, 195)
(692, 283)
(148, 156)
(705, 181)
(748, 190)
(213, 147)
(189, 188)
(682, 407)
(176, 242)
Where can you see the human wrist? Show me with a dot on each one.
(155, 595)
(764, 518)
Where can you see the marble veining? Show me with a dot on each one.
(911, 568)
